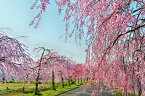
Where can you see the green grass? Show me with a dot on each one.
(15, 89)
(58, 90)
(44, 93)
(119, 93)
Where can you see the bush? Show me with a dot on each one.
(39, 82)
(3, 81)
(12, 81)
(32, 82)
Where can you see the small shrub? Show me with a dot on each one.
(117, 93)
(12, 82)
(3, 81)
(32, 82)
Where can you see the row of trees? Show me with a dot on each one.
(56, 68)
(16, 63)
(115, 36)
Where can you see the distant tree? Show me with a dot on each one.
(14, 60)
(38, 67)
(50, 66)
(57, 66)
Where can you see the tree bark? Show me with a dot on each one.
(53, 82)
(62, 80)
(78, 80)
(68, 81)
(36, 86)
(81, 80)
(23, 89)
(38, 76)
(139, 87)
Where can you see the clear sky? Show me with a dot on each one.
(16, 15)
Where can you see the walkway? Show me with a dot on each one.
(79, 92)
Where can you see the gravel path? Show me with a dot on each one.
(79, 92)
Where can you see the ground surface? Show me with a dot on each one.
(15, 89)
(79, 92)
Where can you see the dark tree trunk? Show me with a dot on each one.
(78, 80)
(53, 82)
(73, 82)
(7, 88)
(125, 92)
(62, 81)
(38, 76)
(68, 81)
(23, 90)
(139, 87)
(133, 82)
(139, 82)
(36, 86)
(3, 79)
(81, 81)
(87, 79)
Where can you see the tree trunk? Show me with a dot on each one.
(87, 79)
(36, 85)
(37, 79)
(139, 82)
(75, 81)
(7, 88)
(78, 80)
(125, 92)
(23, 89)
(139, 87)
(68, 81)
(53, 82)
(62, 81)
(81, 81)
(72, 81)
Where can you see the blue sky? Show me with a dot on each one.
(16, 15)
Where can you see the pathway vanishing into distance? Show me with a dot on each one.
(79, 92)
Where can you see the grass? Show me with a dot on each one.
(119, 93)
(15, 89)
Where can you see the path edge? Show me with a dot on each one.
(66, 91)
